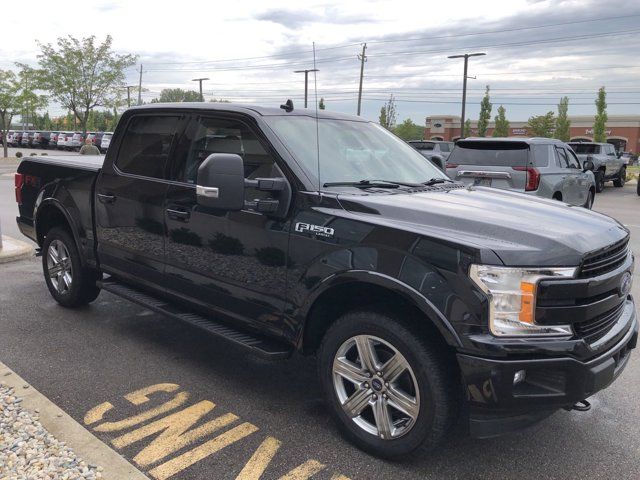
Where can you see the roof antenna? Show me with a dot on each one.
(288, 106)
(315, 87)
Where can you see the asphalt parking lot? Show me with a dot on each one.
(82, 359)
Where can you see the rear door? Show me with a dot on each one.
(130, 199)
(490, 163)
(570, 180)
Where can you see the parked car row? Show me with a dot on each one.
(569, 172)
(58, 140)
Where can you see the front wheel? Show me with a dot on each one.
(393, 393)
(622, 178)
(599, 181)
(70, 284)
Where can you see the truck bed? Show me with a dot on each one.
(83, 162)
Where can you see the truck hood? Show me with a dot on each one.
(520, 229)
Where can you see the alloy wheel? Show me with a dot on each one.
(376, 386)
(59, 267)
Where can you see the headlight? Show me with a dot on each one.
(512, 298)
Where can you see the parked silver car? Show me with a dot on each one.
(435, 151)
(538, 166)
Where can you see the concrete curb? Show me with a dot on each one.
(66, 429)
(13, 250)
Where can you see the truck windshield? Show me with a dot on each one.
(351, 151)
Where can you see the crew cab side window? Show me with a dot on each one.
(146, 145)
(207, 135)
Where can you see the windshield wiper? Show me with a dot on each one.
(366, 184)
(435, 181)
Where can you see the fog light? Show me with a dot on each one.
(518, 377)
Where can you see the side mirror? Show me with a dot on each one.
(587, 165)
(220, 182)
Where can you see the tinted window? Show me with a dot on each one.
(146, 145)
(585, 148)
(446, 146)
(562, 156)
(497, 154)
(422, 145)
(573, 160)
(205, 136)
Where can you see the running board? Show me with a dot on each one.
(263, 346)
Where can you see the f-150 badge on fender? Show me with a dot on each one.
(319, 230)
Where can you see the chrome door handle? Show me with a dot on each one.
(178, 214)
(106, 198)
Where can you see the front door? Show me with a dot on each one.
(228, 262)
(571, 188)
(130, 200)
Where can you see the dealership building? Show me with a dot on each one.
(623, 131)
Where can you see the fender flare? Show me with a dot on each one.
(54, 203)
(393, 284)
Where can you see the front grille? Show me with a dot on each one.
(606, 260)
(596, 328)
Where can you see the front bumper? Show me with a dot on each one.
(497, 406)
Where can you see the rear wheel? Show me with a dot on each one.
(622, 178)
(392, 392)
(70, 284)
(599, 181)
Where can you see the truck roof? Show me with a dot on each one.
(529, 140)
(247, 108)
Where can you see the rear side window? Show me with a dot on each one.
(422, 145)
(446, 146)
(491, 154)
(146, 145)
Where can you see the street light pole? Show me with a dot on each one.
(464, 85)
(306, 82)
(200, 80)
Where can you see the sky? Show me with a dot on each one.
(536, 51)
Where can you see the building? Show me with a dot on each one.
(623, 131)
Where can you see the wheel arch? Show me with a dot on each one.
(49, 214)
(357, 290)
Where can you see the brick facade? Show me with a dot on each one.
(622, 130)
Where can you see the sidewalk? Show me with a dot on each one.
(13, 250)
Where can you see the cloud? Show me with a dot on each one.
(296, 19)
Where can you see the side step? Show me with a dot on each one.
(263, 346)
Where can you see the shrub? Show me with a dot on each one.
(18, 154)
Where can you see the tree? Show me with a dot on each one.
(600, 123)
(9, 103)
(321, 104)
(485, 114)
(542, 125)
(82, 75)
(501, 128)
(467, 128)
(175, 95)
(388, 114)
(408, 130)
(29, 81)
(563, 124)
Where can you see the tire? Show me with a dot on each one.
(70, 284)
(622, 178)
(590, 198)
(599, 181)
(430, 385)
(638, 187)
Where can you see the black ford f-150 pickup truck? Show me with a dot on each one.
(424, 300)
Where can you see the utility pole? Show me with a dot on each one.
(140, 87)
(306, 82)
(129, 87)
(199, 80)
(464, 85)
(363, 58)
